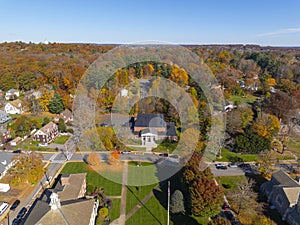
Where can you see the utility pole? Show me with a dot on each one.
(169, 192)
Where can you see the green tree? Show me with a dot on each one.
(177, 202)
(61, 125)
(56, 105)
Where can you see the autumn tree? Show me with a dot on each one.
(114, 158)
(28, 169)
(93, 159)
(204, 196)
(266, 126)
(179, 76)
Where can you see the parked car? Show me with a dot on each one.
(232, 165)
(164, 154)
(15, 205)
(125, 152)
(245, 165)
(221, 166)
(16, 221)
(17, 151)
(22, 213)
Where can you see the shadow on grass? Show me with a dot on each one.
(144, 206)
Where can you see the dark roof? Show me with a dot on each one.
(282, 178)
(66, 113)
(171, 130)
(150, 120)
(148, 130)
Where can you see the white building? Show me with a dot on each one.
(14, 107)
(12, 94)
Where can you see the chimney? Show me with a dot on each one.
(54, 203)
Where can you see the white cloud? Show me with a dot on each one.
(281, 31)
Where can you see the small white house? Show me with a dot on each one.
(12, 94)
(14, 107)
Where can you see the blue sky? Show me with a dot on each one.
(264, 22)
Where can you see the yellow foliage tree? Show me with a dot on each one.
(266, 126)
(179, 76)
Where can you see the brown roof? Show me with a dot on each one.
(77, 212)
(16, 103)
(48, 127)
(292, 194)
(71, 190)
(66, 114)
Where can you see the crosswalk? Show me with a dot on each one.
(58, 161)
(53, 156)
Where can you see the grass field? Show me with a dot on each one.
(61, 140)
(115, 212)
(294, 146)
(228, 156)
(93, 179)
(247, 99)
(135, 194)
(153, 213)
(145, 174)
(230, 184)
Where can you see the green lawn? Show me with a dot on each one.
(228, 156)
(135, 194)
(61, 140)
(153, 213)
(145, 174)
(247, 99)
(165, 147)
(32, 145)
(93, 178)
(115, 212)
(230, 184)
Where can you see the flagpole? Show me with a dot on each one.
(168, 220)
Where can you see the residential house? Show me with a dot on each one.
(283, 192)
(293, 217)
(47, 133)
(66, 115)
(14, 107)
(151, 127)
(12, 94)
(65, 204)
(4, 117)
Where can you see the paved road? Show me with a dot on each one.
(229, 172)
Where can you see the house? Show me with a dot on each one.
(66, 115)
(124, 93)
(4, 117)
(14, 107)
(283, 192)
(16, 141)
(151, 127)
(12, 94)
(65, 204)
(47, 133)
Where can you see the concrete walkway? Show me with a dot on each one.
(121, 220)
(138, 206)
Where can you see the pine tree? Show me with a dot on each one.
(56, 104)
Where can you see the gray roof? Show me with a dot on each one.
(150, 120)
(12, 90)
(281, 178)
(171, 130)
(4, 116)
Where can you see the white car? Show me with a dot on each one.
(232, 165)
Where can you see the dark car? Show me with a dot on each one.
(16, 221)
(221, 166)
(17, 151)
(164, 154)
(15, 205)
(22, 213)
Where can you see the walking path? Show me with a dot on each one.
(121, 220)
(138, 206)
